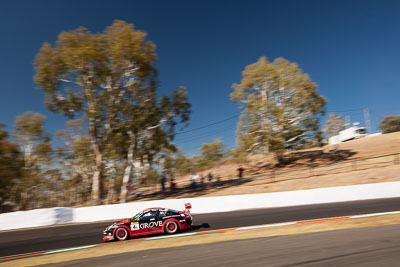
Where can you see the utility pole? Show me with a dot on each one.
(367, 120)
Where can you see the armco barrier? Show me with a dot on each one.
(23, 219)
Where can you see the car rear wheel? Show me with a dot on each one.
(121, 234)
(171, 227)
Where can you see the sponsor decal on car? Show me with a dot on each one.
(136, 226)
(151, 224)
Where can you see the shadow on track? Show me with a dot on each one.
(198, 227)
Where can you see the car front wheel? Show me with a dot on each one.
(121, 234)
(171, 227)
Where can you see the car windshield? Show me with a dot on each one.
(137, 215)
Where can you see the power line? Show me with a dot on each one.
(208, 125)
(348, 110)
(179, 139)
(191, 139)
(236, 116)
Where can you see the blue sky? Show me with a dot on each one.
(351, 49)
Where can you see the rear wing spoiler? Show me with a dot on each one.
(188, 206)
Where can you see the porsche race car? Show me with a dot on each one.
(150, 221)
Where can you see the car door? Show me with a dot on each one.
(162, 214)
(148, 221)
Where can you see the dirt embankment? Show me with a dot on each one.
(348, 163)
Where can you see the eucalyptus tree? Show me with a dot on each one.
(89, 75)
(280, 107)
(11, 166)
(30, 134)
(150, 129)
(76, 158)
(213, 152)
(105, 78)
(333, 125)
(34, 141)
(390, 124)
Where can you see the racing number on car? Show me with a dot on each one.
(135, 226)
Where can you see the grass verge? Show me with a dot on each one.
(207, 238)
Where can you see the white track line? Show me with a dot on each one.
(69, 249)
(264, 226)
(374, 214)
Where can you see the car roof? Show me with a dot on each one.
(159, 209)
(154, 209)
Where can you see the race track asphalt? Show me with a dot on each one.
(363, 247)
(14, 242)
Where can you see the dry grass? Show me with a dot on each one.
(322, 156)
(208, 238)
(330, 169)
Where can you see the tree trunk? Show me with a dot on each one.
(138, 172)
(82, 189)
(97, 176)
(264, 99)
(110, 194)
(28, 156)
(125, 180)
(127, 175)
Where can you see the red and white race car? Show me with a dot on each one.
(150, 221)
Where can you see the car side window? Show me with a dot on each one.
(149, 214)
(170, 213)
(162, 214)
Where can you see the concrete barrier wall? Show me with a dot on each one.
(41, 217)
(35, 218)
